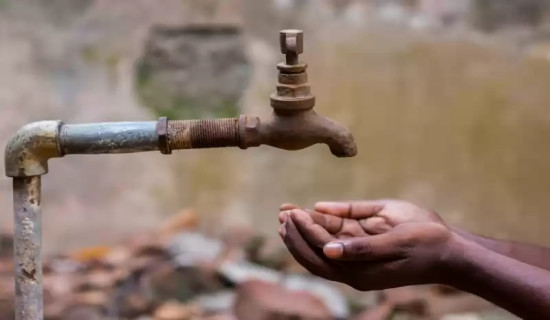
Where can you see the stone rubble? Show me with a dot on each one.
(178, 273)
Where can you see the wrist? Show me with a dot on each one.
(487, 243)
(453, 259)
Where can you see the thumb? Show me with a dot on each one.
(377, 247)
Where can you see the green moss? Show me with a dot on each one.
(164, 103)
(144, 72)
(95, 55)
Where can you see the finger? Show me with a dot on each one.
(288, 206)
(332, 224)
(282, 231)
(303, 253)
(375, 225)
(351, 229)
(351, 209)
(315, 234)
(283, 216)
(378, 247)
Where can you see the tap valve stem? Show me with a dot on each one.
(293, 90)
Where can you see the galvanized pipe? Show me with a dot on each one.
(108, 137)
(28, 248)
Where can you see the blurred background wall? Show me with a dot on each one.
(447, 100)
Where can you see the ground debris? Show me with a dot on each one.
(179, 273)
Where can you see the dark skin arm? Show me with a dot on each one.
(383, 220)
(528, 253)
(411, 252)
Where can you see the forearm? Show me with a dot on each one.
(531, 254)
(518, 287)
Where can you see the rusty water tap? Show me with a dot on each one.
(292, 125)
(293, 90)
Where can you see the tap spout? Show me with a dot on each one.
(294, 124)
(299, 130)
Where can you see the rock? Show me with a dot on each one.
(92, 253)
(410, 299)
(95, 298)
(258, 300)
(185, 220)
(267, 252)
(222, 316)
(220, 301)
(61, 265)
(173, 310)
(438, 306)
(380, 312)
(166, 282)
(332, 297)
(79, 312)
(243, 271)
(130, 302)
(193, 248)
(98, 279)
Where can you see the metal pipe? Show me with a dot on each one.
(293, 125)
(27, 248)
(108, 137)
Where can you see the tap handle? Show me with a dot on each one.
(292, 44)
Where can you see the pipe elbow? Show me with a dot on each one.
(28, 151)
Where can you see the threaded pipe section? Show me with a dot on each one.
(205, 133)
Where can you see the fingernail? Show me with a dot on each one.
(292, 213)
(295, 214)
(283, 216)
(331, 206)
(333, 250)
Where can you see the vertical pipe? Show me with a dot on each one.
(27, 247)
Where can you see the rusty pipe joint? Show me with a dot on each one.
(28, 151)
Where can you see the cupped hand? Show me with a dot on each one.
(405, 244)
(379, 216)
(324, 227)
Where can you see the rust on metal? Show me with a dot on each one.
(28, 151)
(291, 42)
(27, 245)
(249, 132)
(162, 131)
(294, 124)
(204, 133)
(108, 137)
(292, 68)
(293, 90)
